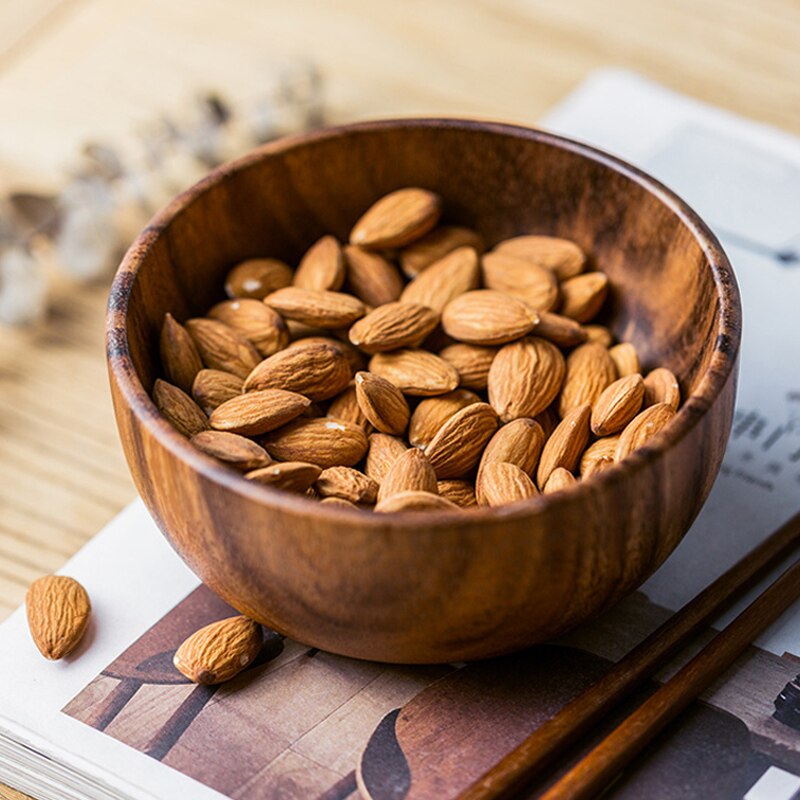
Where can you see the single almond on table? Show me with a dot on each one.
(582, 297)
(617, 405)
(382, 403)
(598, 456)
(485, 316)
(459, 492)
(436, 245)
(458, 444)
(525, 378)
(236, 451)
(415, 372)
(58, 611)
(559, 480)
(345, 406)
(383, 451)
(327, 310)
(415, 501)
(661, 386)
(519, 442)
(324, 441)
(179, 355)
(212, 387)
(446, 279)
(392, 326)
(432, 413)
(589, 371)
(523, 279)
(397, 219)
(354, 356)
(348, 484)
(564, 447)
(501, 484)
(257, 412)
(642, 428)
(472, 362)
(599, 334)
(322, 267)
(625, 359)
(562, 256)
(180, 410)
(560, 330)
(410, 472)
(223, 348)
(219, 651)
(291, 476)
(258, 323)
(257, 277)
(371, 277)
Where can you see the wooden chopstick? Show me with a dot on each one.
(512, 773)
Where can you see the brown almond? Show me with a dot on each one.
(347, 483)
(179, 355)
(338, 501)
(487, 317)
(459, 492)
(325, 441)
(345, 406)
(589, 371)
(625, 359)
(582, 297)
(319, 371)
(619, 403)
(220, 651)
(179, 409)
(432, 413)
(471, 361)
(354, 356)
(258, 323)
(212, 387)
(435, 245)
(599, 334)
(446, 279)
(598, 456)
(382, 403)
(299, 330)
(562, 256)
(257, 277)
(661, 386)
(383, 450)
(458, 444)
(322, 267)
(392, 326)
(534, 285)
(371, 277)
(520, 442)
(410, 472)
(328, 310)
(559, 480)
(397, 219)
(236, 451)
(564, 447)
(58, 611)
(415, 501)
(258, 412)
(560, 330)
(501, 484)
(223, 348)
(415, 372)
(525, 377)
(291, 476)
(643, 427)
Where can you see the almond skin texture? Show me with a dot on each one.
(383, 451)
(564, 447)
(325, 441)
(258, 323)
(257, 277)
(348, 484)
(472, 362)
(559, 480)
(258, 412)
(458, 444)
(661, 386)
(432, 413)
(382, 403)
(415, 501)
(319, 371)
(560, 330)
(582, 297)
(598, 456)
(371, 277)
(354, 356)
(327, 310)
(561, 256)
(236, 451)
(589, 371)
(179, 355)
(642, 428)
(617, 405)
(446, 279)
(437, 244)
(415, 372)
(58, 610)
(219, 651)
(322, 267)
(501, 484)
(625, 359)
(534, 285)
(459, 492)
(180, 410)
(223, 348)
(291, 476)
(410, 472)
(487, 317)
(520, 443)
(345, 406)
(525, 377)
(397, 219)
(212, 387)
(392, 326)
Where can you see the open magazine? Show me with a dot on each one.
(116, 720)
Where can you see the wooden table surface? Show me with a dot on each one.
(71, 70)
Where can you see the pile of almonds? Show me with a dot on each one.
(444, 376)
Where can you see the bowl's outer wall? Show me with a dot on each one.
(449, 588)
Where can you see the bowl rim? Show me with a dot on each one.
(718, 371)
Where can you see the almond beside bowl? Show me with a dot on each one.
(432, 586)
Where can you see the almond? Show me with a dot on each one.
(258, 412)
(458, 444)
(563, 257)
(599, 334)
(564, 447)
(501, 484)
(432, 413)
(589, 371)
(179, 355)
(397, 219)
(598, 456)
(371, 277)
(58, 610)
(354, 356)
(459, 492)
(642, 428)
(325, 441)
(212, 387)
(180, 410)
(345, 406)
(415, 372)
(223, 348)
(559, 480)
(520, 442)
(560, 330)
(436, 245)
(617, 405)
(534, 285)
(299, 330)
(471, 361)
(314, 307)
(322, 267)
(525, 377)
(392, 326)
(338, 501)
(347, 483)
(383, 450)
(415, 501)
(410, 472)
(625, 359)
(219, 651)
(443, 281)
(582, 297)
(487, 317)
(382, 403)
(258, 323)
(318, 371)
(236, 451)
(291, 476)
(661, 386)
(257, 277)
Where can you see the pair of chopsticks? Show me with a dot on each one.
(603, 763)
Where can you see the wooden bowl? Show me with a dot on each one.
(432, 587)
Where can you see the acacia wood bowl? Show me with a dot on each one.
(432, 587)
